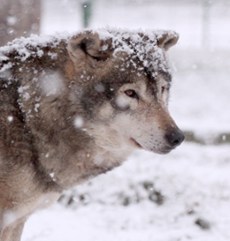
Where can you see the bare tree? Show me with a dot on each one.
(18, 18)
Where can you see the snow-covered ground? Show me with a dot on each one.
(182, 196)
(149, 198)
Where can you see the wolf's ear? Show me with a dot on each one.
(167, 39)
(89, 46)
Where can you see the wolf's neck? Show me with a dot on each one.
(69, 166)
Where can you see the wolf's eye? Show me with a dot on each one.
(132, 94)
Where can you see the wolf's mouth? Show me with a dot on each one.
(135, 143)
(164, 150)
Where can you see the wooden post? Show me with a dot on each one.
(205, 24)
(18, 18)
(86, 11)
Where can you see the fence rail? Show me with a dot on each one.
(212, 139)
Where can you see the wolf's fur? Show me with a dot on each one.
(76, 107)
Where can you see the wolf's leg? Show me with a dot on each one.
(13, 232)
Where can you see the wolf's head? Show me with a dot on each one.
(124, 88)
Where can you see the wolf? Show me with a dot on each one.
(75, 106)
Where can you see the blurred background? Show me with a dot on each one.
(184, 195)
(201, 23)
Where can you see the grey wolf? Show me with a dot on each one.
(74, 107)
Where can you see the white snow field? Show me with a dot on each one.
(184, 195)
(125, 204)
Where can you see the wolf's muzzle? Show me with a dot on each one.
(174, 137)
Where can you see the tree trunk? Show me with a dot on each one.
(18, 18)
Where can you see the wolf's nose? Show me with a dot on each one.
(175, 137)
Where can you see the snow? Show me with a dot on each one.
(122, 102)
(195, 184)
(78, 122)
(10, 118)
(100, 88)
(142, 46)
(51, 83)
(9, 217)
(199, 96)
(4, 71)
(25, 47)
(11, 20)
(52, 175)
(23, 92)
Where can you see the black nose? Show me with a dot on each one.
(174, 137)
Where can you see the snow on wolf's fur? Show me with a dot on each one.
(144, 46)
